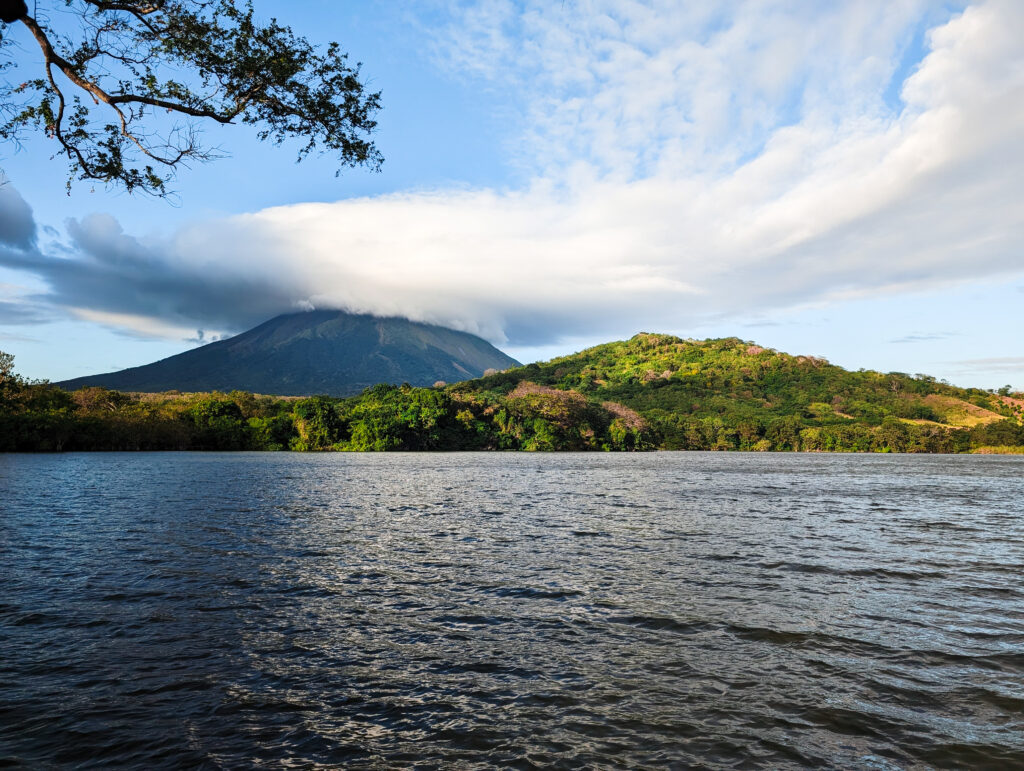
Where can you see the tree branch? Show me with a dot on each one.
(236, 70)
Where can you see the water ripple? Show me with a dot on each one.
(471, 611)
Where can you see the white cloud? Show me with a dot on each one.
(666, 87)
(688, 161)
(143, 326)
(997, 364)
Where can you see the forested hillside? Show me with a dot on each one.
(730, 394)
(649, 392)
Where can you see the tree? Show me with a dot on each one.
(318, 423)
(6, 366)
(123, 93)
(10, 383)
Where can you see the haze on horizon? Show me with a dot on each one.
(844, 181)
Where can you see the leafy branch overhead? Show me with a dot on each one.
(126, 84)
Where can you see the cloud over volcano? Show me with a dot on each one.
(684, 167)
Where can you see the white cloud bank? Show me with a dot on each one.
(686, 164)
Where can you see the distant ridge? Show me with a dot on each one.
(315, 352)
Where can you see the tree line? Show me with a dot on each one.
(505, 411)
(40, 417)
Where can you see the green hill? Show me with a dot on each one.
(649, 392)
(732, 394)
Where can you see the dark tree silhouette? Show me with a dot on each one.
(126, 85)
(12, 10)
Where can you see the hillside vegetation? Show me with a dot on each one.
(649, 392)
(42, 417)
(730, 394)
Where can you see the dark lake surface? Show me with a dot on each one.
(475, 610)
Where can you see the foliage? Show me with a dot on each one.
(316, 424)
(126, 83)
(648, 392)
(730, 394)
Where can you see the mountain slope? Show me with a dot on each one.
(732, 394)
(317, 352)
(652, 391)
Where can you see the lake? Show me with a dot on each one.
(657, 610)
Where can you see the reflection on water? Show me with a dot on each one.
(204, 610)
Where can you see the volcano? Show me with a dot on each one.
(315, 352)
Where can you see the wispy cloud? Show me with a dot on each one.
(7, 336)
(924, 338)
(687, 161)
(640, 89)
(1008, 364)
(18, 312)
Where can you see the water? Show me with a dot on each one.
(479, 610)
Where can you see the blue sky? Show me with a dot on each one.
(843, 180)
